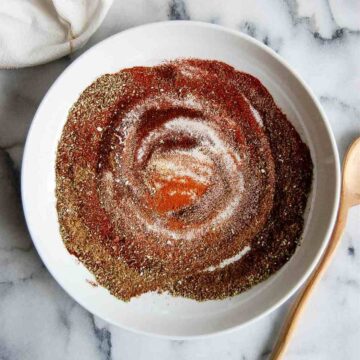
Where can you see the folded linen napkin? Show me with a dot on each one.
(37, 31)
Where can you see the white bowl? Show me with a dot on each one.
(149, 45)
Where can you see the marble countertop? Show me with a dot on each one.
(321, 40)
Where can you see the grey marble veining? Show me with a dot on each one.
(321, 40)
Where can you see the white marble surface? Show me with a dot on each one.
(321, 40)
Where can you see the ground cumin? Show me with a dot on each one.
(183, 177)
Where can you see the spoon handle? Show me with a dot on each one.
(299, 305)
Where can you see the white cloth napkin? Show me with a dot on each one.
(37, 31)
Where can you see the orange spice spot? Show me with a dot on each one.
(176, 193)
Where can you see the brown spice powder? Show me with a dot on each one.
(184, 177)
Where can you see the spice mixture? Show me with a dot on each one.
(183, 177)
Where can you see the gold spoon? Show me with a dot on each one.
(350, 196)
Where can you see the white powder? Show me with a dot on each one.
(254, 112)
(231, 260)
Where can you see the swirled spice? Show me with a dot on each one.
(183, 177)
